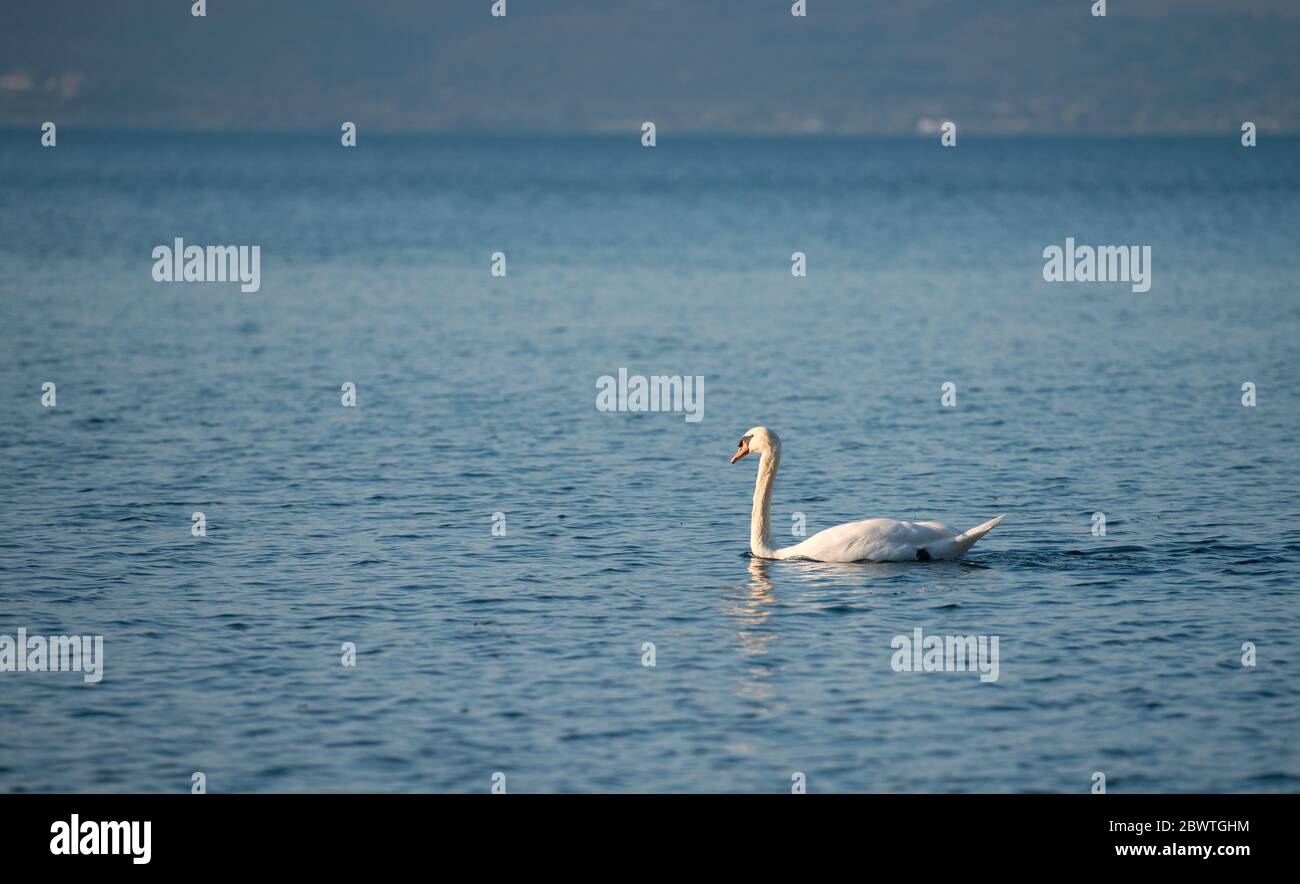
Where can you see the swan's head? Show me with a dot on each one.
(759, 440)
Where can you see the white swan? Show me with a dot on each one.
(871, 540)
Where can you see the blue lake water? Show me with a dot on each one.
(476, 395)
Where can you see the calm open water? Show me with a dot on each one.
(476, 395)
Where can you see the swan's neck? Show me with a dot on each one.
(760, 520)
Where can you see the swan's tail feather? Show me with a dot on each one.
(966, 539)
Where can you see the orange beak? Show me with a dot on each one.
(740, 452)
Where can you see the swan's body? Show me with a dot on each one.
(870, 540)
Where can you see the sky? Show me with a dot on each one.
(873, 67)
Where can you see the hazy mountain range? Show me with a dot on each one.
(850, 66)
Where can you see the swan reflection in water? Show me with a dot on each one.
(752, 604)
(755, 600)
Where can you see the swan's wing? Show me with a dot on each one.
(873, 540)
